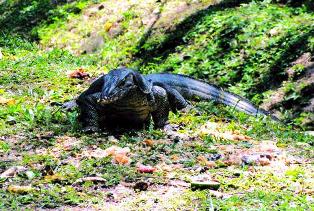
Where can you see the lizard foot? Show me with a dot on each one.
(187, 109)
(170, 127)
(90, 129)
(69, 106)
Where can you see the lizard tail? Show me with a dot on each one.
(192, 89)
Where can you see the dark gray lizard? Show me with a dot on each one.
(124, 98)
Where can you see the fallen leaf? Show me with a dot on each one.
(119, 155)
(19, 189)
(91, 179)
(175, 157)
(113, 140)
(263, 161)
(122, 159)
(54, 178)
(5, 101)
(12, 171)
(233, 159)
(164, 167)
(79, 74)
(114, 150)
(145, 169)
(204, 181)
(30, 175)
(274, 32)
(213, 128)
(216, 194)
(203, 161)
(108, 26)
(256, 159)
(97, 153)
(149, 142)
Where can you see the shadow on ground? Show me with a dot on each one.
(21, 17)
(174, 37)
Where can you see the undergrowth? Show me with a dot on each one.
(244, 49)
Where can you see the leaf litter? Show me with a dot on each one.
(169, 174)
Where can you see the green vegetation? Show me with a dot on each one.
(246, 50)
(249, 49)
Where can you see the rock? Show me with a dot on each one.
(311, 133)
(11, 172)
(101, 7)
(30, 175)
(146, 169)
(93, 43)
(11, 120)
(20, 189)
(115, 30)
(257, 159)
(204, 181)
(142, 186)
(212, 185)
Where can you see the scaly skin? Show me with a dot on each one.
(126, 99)
(112, 105)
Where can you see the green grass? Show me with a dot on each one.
(246, 50)
(35, 76)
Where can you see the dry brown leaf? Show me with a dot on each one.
(119, 155)
(91, 179)
(263, 162)
(174, 157)
(266, 146)
(145, 169)
(164, 167)
(216, 194)
(210, 164)
(203, 161)
(233, 159)
(97, 153)
(213, 128)
(108, 26)
(19, 189)
(112, 150)
(5, 101)
(54, 178)
(79, 74)
(67, 143)
(149, 142)
(204, 181)
(12, 171)
(122, 159)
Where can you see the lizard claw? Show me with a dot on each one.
(69, 106)
(90, 129)
(187, 109)
(170, 127)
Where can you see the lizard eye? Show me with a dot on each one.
(121, 84)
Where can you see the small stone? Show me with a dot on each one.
(212, 185)
(204, 181)
(101, 7)
(30, 175)
(142, 186)
(113, 140)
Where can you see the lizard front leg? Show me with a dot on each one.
(89, 112)
(162, 107)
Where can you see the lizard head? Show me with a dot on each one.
(119, 82)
